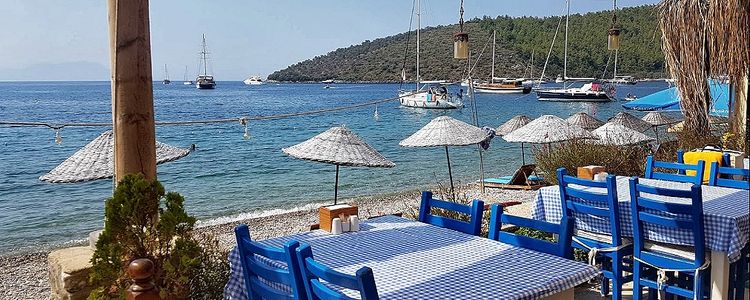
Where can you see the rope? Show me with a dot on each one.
(593, 251)
(661, 277)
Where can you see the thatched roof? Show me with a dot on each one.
(547, 129)
(512, 124)
(656, 118)
(96, 161)
(619, 135)
(584, 121)
(339, 146)
(628, 120)
(445, 131)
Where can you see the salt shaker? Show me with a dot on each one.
(336, 226)
(345, 226)
(354, 223)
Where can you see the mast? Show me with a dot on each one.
(166, 73)
(203, 56)
(419, 24)
(186, 73)
(532, 66)
(614, 72)
(565, 64)
(492, 77)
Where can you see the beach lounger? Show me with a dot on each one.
(525, 178)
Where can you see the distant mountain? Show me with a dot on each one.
(73, 71)
(517, 38)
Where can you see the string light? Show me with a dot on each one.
(244, 122)
(376, 116)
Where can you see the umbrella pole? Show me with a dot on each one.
(336, 188)
(656, 131)
(523, 156)
(450, 173)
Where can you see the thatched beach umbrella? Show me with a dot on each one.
(584, 121)
(513, 124)
(96, 161)
(716, 123)
(628, 120)
(657, 119)
(445, 131)
(547, 129)
(341, 147)
(619, 135)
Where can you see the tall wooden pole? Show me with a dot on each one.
(132, 89)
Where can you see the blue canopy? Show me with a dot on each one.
(669, 100)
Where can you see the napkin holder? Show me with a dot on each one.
(588, 172)
(328, 213)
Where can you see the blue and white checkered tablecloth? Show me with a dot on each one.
(726, 217)
(412, 260)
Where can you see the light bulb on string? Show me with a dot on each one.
(244, 122)
(58, 138)
(376, 116)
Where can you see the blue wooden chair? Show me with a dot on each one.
(563, 231)
(315, 272)
(583, 205)
(650, 262)
(721, 176)
(475, 211)
(262, 280)
(679, 175)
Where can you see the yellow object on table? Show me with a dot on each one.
(708, 157)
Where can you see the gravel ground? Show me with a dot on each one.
(25, 276)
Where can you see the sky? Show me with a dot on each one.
(53, 40)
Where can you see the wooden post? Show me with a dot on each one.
(132, 89)
(142, 271)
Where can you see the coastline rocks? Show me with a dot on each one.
(69, 273)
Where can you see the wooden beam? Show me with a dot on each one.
(132, 89)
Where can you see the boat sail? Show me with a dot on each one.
(204, 81)
(590, 92)
(166, 76)
(186, 81)
(427, 94)
(503, 85)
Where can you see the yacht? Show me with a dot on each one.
(253, 80)
(503, 85)
(204, 80)
(166, 76)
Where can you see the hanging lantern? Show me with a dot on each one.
(461, 39)
(461, 45)
(613, 41)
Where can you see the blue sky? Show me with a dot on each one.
(245, 36)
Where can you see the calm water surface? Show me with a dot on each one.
(227, 175)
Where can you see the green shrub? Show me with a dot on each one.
(618, 160)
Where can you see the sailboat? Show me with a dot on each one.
(166, 76)
(187, 82)
(427, 94)
(503, 85)
(590, 92)
(205, 81)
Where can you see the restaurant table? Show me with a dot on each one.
(726, 222)
(413, 260)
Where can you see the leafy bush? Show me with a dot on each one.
(136, 226)
(618, 160)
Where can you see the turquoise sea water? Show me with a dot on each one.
(227, 176)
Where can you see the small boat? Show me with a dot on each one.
(328, 87)
(630, 97)
(504, 85)
(622, 80)
(589, 92)
(166, 76)
(205, 81)
(186, 81)
(329, 81)
(427, 94)
(253, 80)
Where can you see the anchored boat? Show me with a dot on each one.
(205, 81)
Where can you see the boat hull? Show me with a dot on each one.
(206, 86)
(513, 90)
(562, 96)
(420, 100)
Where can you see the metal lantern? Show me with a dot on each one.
(461, 45)
(613, 41)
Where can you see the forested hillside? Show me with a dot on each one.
(517, 38)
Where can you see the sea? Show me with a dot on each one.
(229, 177)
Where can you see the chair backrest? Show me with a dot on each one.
(473, 226)
(315, 272)
(680, 168)
(562, 230)
(584, 200)
(522, 174)
(262, 280)
(726, 177)
(650, 214)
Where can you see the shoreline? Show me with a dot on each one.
(25, 275)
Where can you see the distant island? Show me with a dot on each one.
(381, 60)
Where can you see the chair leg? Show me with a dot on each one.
(618, 278)
(637, 280)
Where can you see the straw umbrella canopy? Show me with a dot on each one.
(619, 135)
(513, 124)
(341, 147)
(96, 161)
(657, 119)
(628, 120)
(445, 131)
(716, 123)
(547, 129)
(584, 121)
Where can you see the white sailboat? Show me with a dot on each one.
(589, 92)
(166, 76)
(205, 81)
(186, 81)
(427, 94)
(503, 85)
